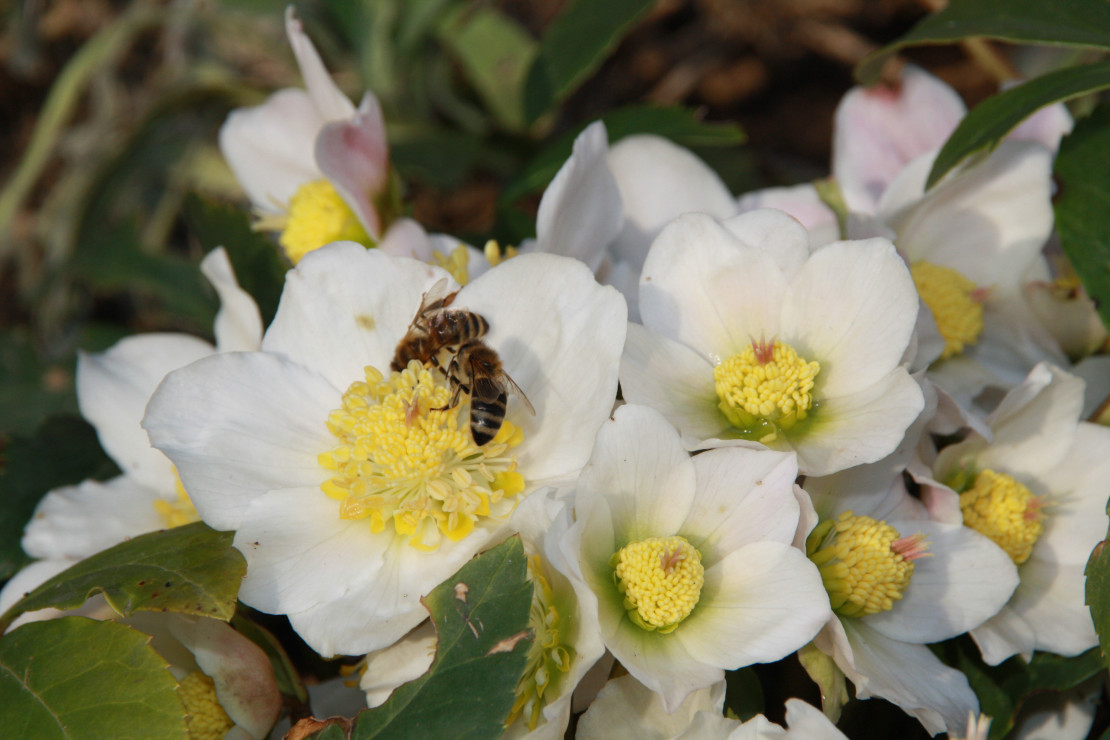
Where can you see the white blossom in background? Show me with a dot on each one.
(748, 338)
(352, 491)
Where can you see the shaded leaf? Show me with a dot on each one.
(32, 387)
(1098, 595)
(743, 693)
(191, 569)
(288, 680)
(1082, 205)
(74, 678)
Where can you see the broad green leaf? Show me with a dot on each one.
(574, 45)
(991, 120)
(288, 680)
(1098, 595)
(76, 679)
(1082, 205)
(258, 265)
(32, 387)
(744, 693)
(1084, 23)
(64, 451)
(495, 53)
(191, 569)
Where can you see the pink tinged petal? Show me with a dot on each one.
(239, 424)
(113, 388)
(962, 582)
(1047, 126)
(800, 201)
(1052, 602)
(75, 522)
(407, 238)
(270, 147)
(704, 287)
(778, 235)
(640, 467)
(673, 379)
(559, 335)
(759, 604)
(743, 496)
(911, 677)
(353, 154)
(238, 324)
(580, 212)
(1004, 635)
(329, 100)
(878, 131)
(852, 308)
(345, 307)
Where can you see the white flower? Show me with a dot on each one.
(1038, 489)
(749, 338)
(353, 490)
(688, 561)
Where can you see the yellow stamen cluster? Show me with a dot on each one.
(661, 579)
(318, 215)
(206, 719)
(492, 250)
(1004, 510)
(456, 263)
(765, 389)
(403, 459)
(179, 512)
(548, 658)
(864, 563)
(951, 298)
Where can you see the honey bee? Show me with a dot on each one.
(476, 369)
(418, 342)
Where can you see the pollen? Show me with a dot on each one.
(865, 563)
(179, 511)
(403, 460)
(765, 389)
(956, 303)
(456, 263)
(1005, 511)
(318, 216)
(661, 579)
(206, 719)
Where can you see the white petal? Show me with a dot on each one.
(852, 308)
(354, 155)
(1076, 499)
(238, 324)
(1052, 602)
(1046, 126)
(404, 661)
(625, 709)
(800, 201)
(1004, 635)
(1095, 370)
(807, 721)
(239, 424)
(329, 100)
(778, 235)
(113, 388)
(1067, 715)
(580, 212)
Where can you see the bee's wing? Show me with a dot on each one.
(436, 297)
(515, 389)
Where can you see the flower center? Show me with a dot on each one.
(865, 564)
(206, 719)
(765, 389)
(401, 458)
(456, 263)
(318, 216)
(956, 303)
(179, 512)
(661, 579)
(548, 658)
(1005, 511)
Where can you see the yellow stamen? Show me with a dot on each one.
(206, 719)
(765, 389)
(661, 579)
(403, 459)
(1004, 510)
(455, 263)
(492, 250)
(865, 564)
(179, 512)
(318, 215)
(955, 302)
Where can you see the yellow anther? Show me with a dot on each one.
(179, 512)
(457, 263)
(765, 389)
(864, 563)
(318, 215)
(206, 719)
(661, 579)
(404, 459)
(1004, 510)
(492, 250)
(955, 303)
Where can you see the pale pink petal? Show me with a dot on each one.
(329, 100)
(800, 201)
(354, 155)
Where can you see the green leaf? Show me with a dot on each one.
(495, 54)
(743, 693)
(32, 387)
(74, 678)
(574, 45)
(1083, 205)
(191, 569)
(1084, 23)
(996, 116)
(481, 618)
(259, 267)
(31, 467)
(1098, 595)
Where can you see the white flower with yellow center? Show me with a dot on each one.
(750, 339)
(897, 581)
(353, 489)
(687, 560)
(1037, 489)
(113, 388)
